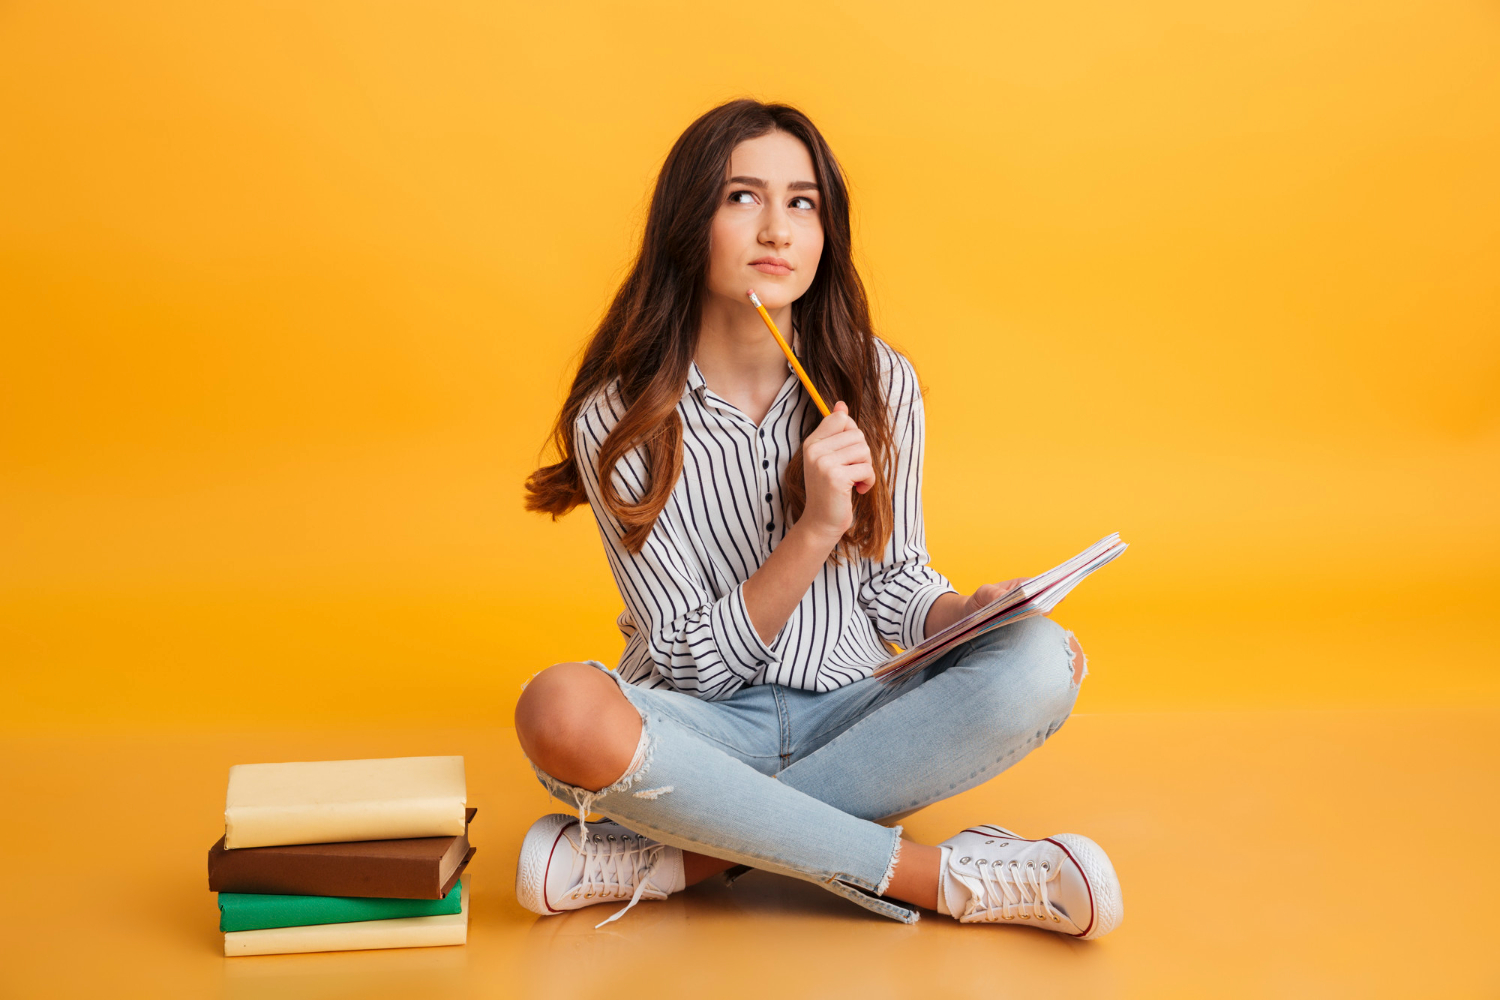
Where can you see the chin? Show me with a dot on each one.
(774, 296)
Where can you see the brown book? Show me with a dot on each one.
(420, 868)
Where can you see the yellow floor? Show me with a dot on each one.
(1263, 854)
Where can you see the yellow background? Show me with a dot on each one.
(289, 293)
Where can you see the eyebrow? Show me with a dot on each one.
(757, 182)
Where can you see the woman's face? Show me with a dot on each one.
(767, 234)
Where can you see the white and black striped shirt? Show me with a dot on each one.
(685, 621)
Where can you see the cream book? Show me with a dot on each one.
(333, 801)
(400, 932)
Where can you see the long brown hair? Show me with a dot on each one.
(647, 338)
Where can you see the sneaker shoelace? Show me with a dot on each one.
(1009, 891)
(617, 867)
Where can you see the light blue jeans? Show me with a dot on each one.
(793, 781)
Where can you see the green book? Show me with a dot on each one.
(247, 911)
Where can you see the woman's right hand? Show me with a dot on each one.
(835, 460)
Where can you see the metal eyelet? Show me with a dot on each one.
(1029, 865)
(989, 841)
(611, 836)
(1045, 868)
(588, 895)
(982, 861)
(1057, 920)
(964, 861)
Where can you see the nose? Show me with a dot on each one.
(776, 228)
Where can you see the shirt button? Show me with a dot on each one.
(765, 464)
(771, 526)
(768, 497)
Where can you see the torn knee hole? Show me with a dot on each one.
(1077, 660)
(584, 799)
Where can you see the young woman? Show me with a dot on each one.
(768, 561)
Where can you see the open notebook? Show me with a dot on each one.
(1035, 596)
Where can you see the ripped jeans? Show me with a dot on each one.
(793, 781)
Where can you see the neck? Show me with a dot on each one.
(737, 355)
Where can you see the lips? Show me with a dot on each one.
(772, 265)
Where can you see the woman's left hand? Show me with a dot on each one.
(984, 595)
(951, 607)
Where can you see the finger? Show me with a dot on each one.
(841, 441)
(836, 466)
(855, 451)
(815, 451)
(860, 475)
(838, 419)
(834, 423)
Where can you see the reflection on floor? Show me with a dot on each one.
(1263, 854)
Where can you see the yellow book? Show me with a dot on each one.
(334, 801)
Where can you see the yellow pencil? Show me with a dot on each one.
(787, 350)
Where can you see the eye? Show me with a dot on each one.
(741, 198)
(804, 203)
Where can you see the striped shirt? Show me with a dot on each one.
(685, 621)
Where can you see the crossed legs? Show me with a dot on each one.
(996, 701)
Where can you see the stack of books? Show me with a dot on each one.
(342, 855)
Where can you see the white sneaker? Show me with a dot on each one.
(566, 867)
(1063, 883)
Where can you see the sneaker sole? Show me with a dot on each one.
(531, 867)
(1109, 905)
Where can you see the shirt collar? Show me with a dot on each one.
(695, 380)
(697, 384)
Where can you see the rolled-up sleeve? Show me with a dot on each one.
(700, 643)
(899, 590)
